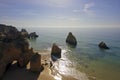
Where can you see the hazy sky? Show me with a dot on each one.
(60, 13)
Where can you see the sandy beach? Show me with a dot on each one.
(49, 73)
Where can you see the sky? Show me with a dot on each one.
(60, 13)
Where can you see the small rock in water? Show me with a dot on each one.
(33, 35)
(103, 45)
(55, 52)
(71, 39)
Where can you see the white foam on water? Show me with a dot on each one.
(65, 67)
(58, 77)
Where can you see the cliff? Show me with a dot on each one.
(13, 46)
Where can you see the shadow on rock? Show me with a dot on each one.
(16, 73)
(71, 46)
(55, 52)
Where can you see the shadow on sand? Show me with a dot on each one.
(16, 73)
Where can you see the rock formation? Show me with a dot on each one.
(33, 35)
(8, 32)
(35, 63)
(24, 33)
(103, 45)
(13, 46)
(56, 52)
(71, 39)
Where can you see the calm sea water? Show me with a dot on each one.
(86, 57)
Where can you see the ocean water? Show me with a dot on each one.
(87, 57)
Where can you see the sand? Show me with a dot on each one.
(16, 73)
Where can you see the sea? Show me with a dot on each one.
(86, 57)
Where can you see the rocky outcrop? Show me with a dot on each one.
(35, 63)
(103, 45)
(71, 39)
(13, 46)
(24, 33)
(33, 35)
(55, 52)
(8, 32)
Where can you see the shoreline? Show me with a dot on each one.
(49, 73)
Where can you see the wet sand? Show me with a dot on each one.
(16, 73)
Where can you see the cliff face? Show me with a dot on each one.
(13, 46)
(8, 32)
(35, 63)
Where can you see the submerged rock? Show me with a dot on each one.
(13, 46)
(71, 39)
(55, 52)
(103, 45)
(35, 63)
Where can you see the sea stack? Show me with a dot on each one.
(55, 52)
(71, 39)
(33, 35)
(103, 45)
(35, 63)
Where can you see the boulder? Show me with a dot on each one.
(35, 63)
(71, 39)
(33, 35)
(55, 52)
(103, 45)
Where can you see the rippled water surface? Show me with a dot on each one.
(86, 57)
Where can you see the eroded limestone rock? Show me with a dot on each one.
(35, 63)
(55, 52)
(71, 39)
(13, 46)
(33, 35)
(103, 45)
